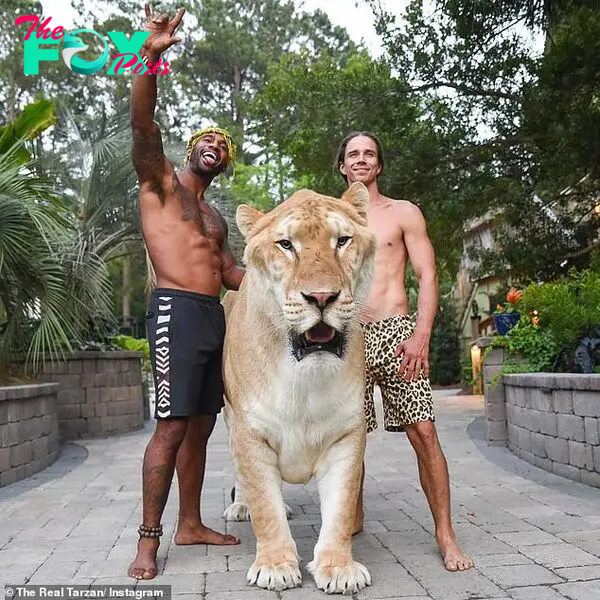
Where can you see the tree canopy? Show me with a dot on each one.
(523, 80)
(485, 110)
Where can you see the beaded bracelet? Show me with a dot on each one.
(150, 532)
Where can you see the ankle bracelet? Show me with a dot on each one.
(150, 532)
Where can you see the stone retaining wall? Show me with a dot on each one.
(495, 404)
(28, 430)
(551, 420)
(100, 393)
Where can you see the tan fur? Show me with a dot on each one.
(290, 420)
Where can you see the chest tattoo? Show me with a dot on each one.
(202, 215)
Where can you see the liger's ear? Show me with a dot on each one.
(358, 196)
(246, 217)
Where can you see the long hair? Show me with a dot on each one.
(342, 150)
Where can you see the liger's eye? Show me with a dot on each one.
(285, 244)
(343, 241)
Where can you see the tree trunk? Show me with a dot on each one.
(126, 298)
(11, 100)
(238, 117)
(280, 177)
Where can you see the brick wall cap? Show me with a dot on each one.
(16, 392)
(556, 381)
(107, 355)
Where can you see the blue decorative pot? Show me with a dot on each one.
(505, 322)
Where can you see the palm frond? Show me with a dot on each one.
(51, 282)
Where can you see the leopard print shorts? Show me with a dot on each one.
(404, 402)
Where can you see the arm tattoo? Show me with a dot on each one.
(148, 156)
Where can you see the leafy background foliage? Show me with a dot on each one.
(484, 109)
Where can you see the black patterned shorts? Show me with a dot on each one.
(186, 332)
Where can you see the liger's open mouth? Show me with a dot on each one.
(320, 338)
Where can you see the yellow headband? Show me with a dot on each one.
(197, 136)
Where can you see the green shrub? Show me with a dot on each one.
(568, 308)
(554, 318)
(530, 348)
(135, 345)
(466, 370)
(444, 357)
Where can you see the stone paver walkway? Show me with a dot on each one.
(533, 535)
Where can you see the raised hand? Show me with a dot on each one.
(161, 31)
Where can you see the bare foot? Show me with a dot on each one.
(144, 565)
(454, 558)
(199, 534)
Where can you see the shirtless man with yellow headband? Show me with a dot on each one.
(186, 239)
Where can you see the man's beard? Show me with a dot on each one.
(196, 166)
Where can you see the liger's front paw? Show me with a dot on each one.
(342, 579)
(275, 576)
(237, 511)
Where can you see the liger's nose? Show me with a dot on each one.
(321, 299)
